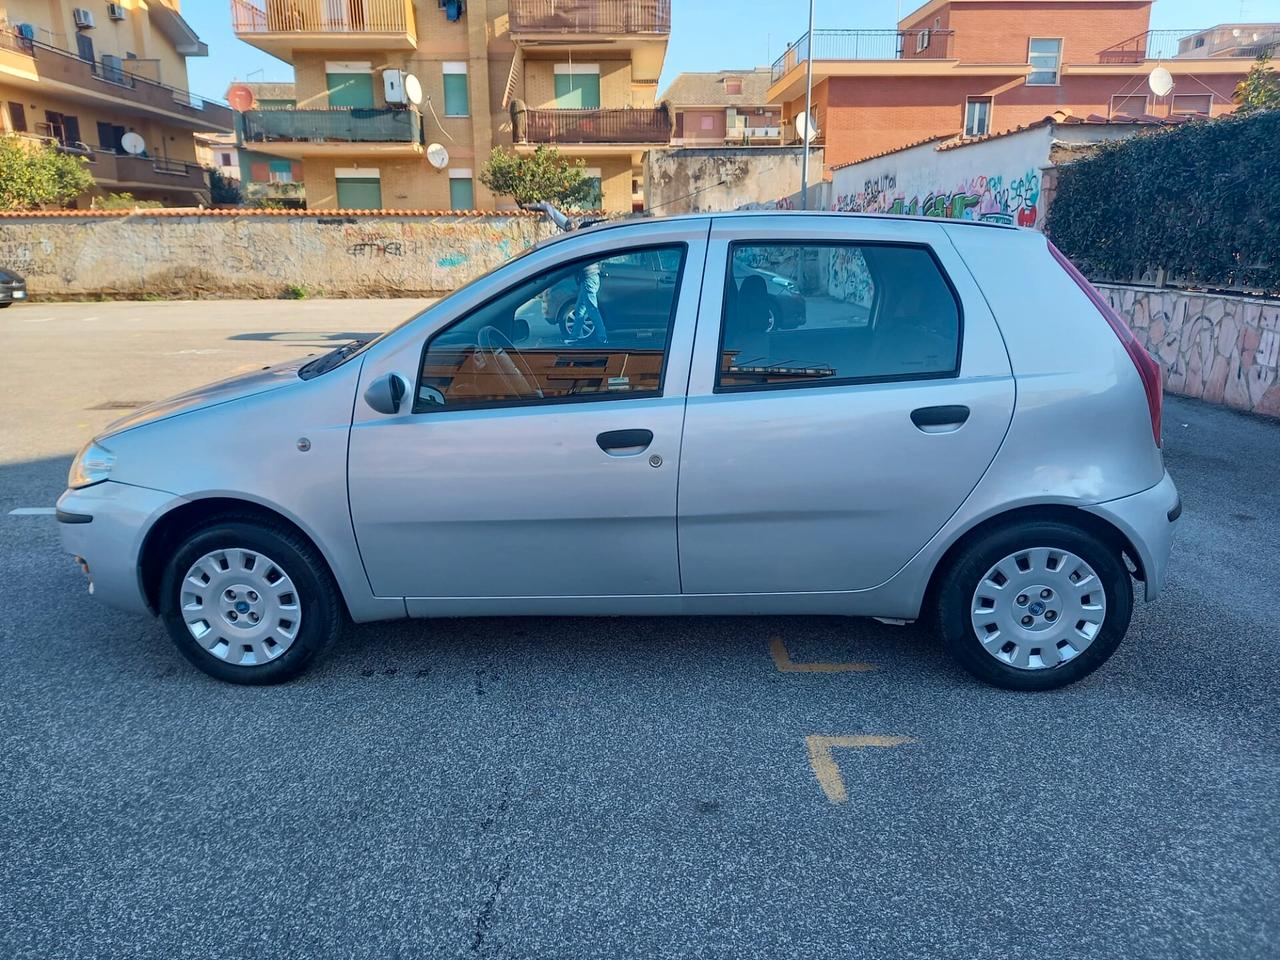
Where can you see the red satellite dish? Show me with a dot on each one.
(240, 96)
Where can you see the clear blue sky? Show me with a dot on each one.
(705, 34)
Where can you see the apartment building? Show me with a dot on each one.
(578, 75)
(265, 179)
(723, 107)
(83, 75)
(973, 67)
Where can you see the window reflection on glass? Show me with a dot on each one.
(816, 313)
(595, 329)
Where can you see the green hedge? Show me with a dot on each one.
(1201, 201)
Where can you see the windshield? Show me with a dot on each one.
(336, 358)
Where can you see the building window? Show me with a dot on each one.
(977, 116)
(1192, 104)
(280, 171)
(1045, 57)
(457, 97)
(17, 117)
(733, 87)
(577, 86)
(462, 190)
(359, 188)
(226, 159)
(1132, 106)
(707, 122)
(349, 84)
(922, 41)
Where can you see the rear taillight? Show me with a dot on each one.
(1148, 369)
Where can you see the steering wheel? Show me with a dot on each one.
(510, 367)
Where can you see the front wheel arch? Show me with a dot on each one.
(180, 523)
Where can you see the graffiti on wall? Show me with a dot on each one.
(985, 197)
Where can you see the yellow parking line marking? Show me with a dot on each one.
(782, 660)
(824, 765)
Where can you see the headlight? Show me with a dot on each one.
(92, 465)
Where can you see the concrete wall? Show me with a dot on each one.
(1216, 348)
(752, 176)
(189, 255)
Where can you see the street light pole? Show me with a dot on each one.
(808, 113)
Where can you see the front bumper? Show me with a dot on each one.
(1148, 519)
(104, 525)
(12, 294)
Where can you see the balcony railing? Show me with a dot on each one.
(625, 125)
(159, 172)
(866, 45)
(1245, 42)
(335, 125)
(120, 79)
(322, 16)
(591, 16)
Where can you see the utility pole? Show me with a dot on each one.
(808, 113)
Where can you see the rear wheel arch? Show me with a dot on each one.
(174, 527)
(1059, 513)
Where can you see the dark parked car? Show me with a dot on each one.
(12, 287)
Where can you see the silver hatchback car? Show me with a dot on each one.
(962, 430)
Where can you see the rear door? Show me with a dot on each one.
(824, 458)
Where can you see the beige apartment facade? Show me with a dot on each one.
(82, 75)
(577, 75)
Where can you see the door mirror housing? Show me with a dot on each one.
(386, 394)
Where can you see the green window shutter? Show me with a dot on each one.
(457, 99)
(462, 194)
(577, 91)
(359, 193)
(350, 89)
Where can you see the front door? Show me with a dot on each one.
(821, 458)
(523, 467)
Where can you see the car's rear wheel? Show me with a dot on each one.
(249, 602)
(1035, 606)
(569, 323)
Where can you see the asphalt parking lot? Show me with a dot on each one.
(615, 788)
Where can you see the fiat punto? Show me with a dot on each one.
(962, 431)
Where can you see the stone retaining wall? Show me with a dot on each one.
(1217, 348)
(233, 254)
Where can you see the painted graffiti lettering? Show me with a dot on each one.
(989, 198)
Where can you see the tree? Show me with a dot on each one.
(35, 175)
(545, 174)
(223, 189)
(1260, 90)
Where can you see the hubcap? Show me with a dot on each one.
(1036, 609)
(240, 606)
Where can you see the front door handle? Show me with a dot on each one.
(943, 419)
(625, 443)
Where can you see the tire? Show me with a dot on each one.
(1059, 624)
(7, 303)
(298, 613)
(564, 323)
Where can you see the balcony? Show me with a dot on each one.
(865, 45)
(590, 17)
(338, 131)
(1226, 42)
(625, 126)
(122, 172)
(281, 26)
(124, 85)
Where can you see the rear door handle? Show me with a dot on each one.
(941, 419)
(624, 443)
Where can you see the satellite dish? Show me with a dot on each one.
(413, 89)
(241, 97)
(1160, 81)
(803, 124)
(437, 156)
(133, 143)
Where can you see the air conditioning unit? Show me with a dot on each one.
(115, 11)
(82, 17)
(393, 86)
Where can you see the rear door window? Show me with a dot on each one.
(815, 314)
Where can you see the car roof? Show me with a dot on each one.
(767, 214)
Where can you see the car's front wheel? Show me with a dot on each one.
(1035, 606)
(249, 602)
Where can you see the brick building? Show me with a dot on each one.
(579, 75)
(973, 67)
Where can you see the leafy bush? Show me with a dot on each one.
(223, 189)
(35, 175)
(1201, 201)
(545, 174)
(1260, 89)
(123, 201)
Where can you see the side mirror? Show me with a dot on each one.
(386, 393)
